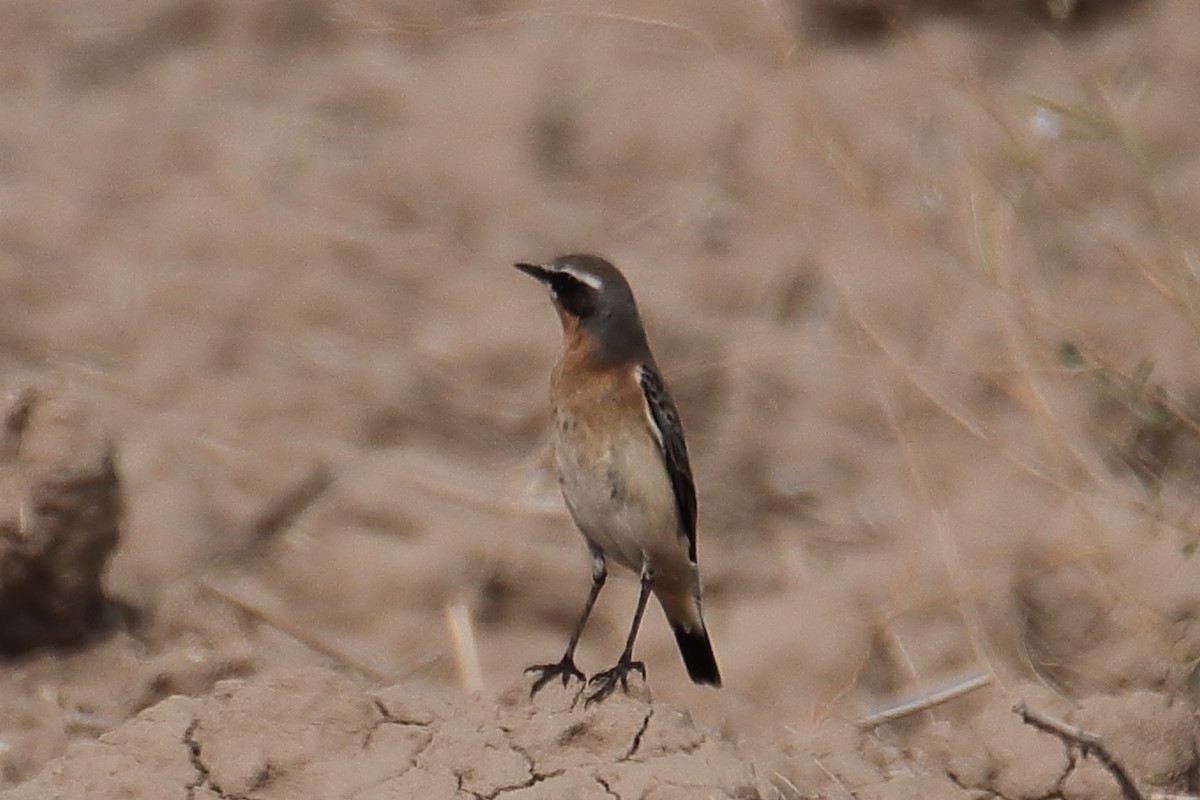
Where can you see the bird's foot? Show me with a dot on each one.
(606, 681)
(564, 669)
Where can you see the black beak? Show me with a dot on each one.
(534, 271)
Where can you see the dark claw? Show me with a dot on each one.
(565, 669)
(606, 682)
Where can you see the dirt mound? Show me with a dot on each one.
(316, 734)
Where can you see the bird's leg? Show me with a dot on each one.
(566, 668)
(607, 681)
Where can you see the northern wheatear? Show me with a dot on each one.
(622, 465)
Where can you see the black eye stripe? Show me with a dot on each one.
(562, 281)
(575, 296)
(564, 285)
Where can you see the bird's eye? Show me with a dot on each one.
(576, 297)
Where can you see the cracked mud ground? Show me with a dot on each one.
(923, 281)
(335, 737)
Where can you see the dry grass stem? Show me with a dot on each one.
(16, 419)
(925, 702)
(285, 509)
(466, 650)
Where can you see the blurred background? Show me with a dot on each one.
(922, 276)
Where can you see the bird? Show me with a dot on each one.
(622, 466)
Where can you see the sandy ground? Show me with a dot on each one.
(921, 277)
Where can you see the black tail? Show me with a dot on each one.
(698, 656)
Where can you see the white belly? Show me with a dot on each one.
(622, 501)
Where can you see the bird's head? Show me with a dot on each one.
(593, 298)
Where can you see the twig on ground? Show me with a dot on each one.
(927, 701)
(1089, 744)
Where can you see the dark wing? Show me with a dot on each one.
(664, 421)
